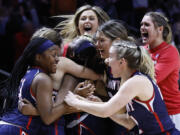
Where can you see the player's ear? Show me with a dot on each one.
(38, 58)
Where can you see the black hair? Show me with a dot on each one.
(83, 52)
(9, 88)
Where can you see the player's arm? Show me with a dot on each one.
(129, 90)
(124, 120)
(77, 70)
(42, 87)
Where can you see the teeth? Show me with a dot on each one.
(87, 26)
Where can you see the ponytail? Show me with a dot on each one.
(146, 64)
(137, 56)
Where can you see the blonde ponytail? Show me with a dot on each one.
(146, 64)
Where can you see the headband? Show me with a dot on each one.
(47, 44)
(84, 45)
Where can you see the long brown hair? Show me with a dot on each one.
(160, 20)
(69, 27)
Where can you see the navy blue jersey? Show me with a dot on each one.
(113, 84)
(112, 87)
(30, 124)
(85, 124)
(151, 116)
(56, 128)
(9, 130)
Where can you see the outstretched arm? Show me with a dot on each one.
(126, 93)
(69, 66)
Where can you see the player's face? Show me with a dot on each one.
(149, 32)
(49, 59)
(88, 22)
(114, 63)
(103, 44)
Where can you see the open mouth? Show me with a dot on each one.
(101, 51)
(87, 29)
(145, 35)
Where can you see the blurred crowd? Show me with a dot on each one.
(20, 18)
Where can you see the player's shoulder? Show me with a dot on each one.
(42, 78)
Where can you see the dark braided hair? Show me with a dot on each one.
(9, 87)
